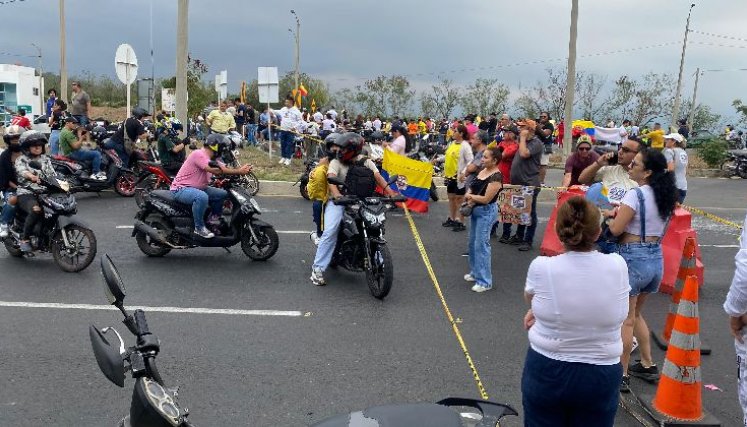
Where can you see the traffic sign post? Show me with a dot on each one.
(125, 64)
(268, 84)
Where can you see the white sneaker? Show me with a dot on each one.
(317, 277)
(4, 231)
(101, 176)
(480, 288)
(287, 162)
(204, 233)
(282, 160)
(469, 277)
(314, 238)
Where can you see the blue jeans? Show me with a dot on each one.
(287, 144)
(54, 142)
(82, 120)
(8, 211)
(110, 144)
(481, 221)
(199, 199)
(527, 233)
(645, 266)
(556, 393)
(251, 134)
(317, 208)
(88, 155)
(332, 220)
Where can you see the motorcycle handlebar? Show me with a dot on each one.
(141, 323)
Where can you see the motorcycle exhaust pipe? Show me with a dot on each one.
(153, 234)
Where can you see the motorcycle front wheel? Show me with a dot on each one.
(79, 254)
(12, 247)
(125, 184)
(742, 170)
(251, 183)
(381, 274)
(264, 247)
(303, 189)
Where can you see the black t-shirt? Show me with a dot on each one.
(251, 116)
(480, 186)
(492, 124)
(7, 170)
(58, 117)
(484, 125)
(547, 140)
(240, 114)
(684, 131)
(133, 127)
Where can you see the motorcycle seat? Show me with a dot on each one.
(86, 164)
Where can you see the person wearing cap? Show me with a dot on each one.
(578, 161)
(525, 170)
(676, 156)
(72, 147)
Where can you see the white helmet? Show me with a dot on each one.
(12, 132)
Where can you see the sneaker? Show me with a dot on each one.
(525, 246)
(314, 238)
(317, 277)
(3, 231)
(281, 161)
(287, 162)
(480, 288)
(469, 277)
(25, 246)
(458, 226)
(204, 233)
(635, 345)
(515, 240)
(650, 374)
(505, 240)
(101, 176)
(448, 223)
(625, 384)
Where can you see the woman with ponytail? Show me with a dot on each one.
(641, 221)
(579, 301)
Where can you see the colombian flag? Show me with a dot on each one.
(415, 179)
(587, 125)
(302, 90)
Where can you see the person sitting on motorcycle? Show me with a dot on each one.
(347, 152)
(8, 180)
(127, 134)
(72, 147)
(32, 146)
(190, 185)
(170, 148)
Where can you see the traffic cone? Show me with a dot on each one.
(678, 400)
(687, 268)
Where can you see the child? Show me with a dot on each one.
(317, 188)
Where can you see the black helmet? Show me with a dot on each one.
(32, 138)
(350, 144)
(139, 113)
(378, 136)
(216, 142)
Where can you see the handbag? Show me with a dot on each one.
(465, 209)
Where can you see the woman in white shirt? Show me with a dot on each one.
(399, 144)
(579, 301)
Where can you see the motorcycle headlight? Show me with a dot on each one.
(373, 218)
(255, 205)
(240, 197)
(162, 401)
(64, 185)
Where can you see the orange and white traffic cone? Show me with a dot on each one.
(687, 268)
(678, 400)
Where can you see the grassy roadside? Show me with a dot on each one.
(267, 168)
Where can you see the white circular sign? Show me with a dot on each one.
(125, 64)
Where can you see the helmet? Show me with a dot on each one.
(176, 124)
(216, 142)
(350, 144)
(378, 136)
(32, 138)
(139, 113)
(12, 132)
(330, 140)
(99, 133)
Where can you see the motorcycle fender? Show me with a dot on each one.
(260, 223)
(64, 221)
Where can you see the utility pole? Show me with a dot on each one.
(297, 35)
(676, 109)
(41, 81)
(691, 117)
(152, 91)
(63, 65)
(182, 32)
(570, 83)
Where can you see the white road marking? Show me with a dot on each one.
(293, 232)
(719, 246)
(189, 310)
(125, 226)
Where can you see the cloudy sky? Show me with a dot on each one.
(345, 41)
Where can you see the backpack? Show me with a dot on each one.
(409, 144)
(360, 180)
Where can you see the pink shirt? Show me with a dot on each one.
(192, 173)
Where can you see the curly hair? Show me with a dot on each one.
(661, 181)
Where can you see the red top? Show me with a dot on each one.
(509, 151)
(21, 121)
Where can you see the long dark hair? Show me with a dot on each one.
(661, 181)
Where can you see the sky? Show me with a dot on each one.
(344, 42)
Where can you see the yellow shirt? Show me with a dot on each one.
(221, 122)
(657, 138)
(449, 133)
(387, 127)
(317, 186)
(451, 162)
(422, 128)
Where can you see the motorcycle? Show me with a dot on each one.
(151, 176)
(250, 182)
(303, 180)
(736, 163)
(154, 404)
(360, 242)
(163, 224)
(71, 242)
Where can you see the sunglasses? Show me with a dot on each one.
(627, 150)
(584, 148)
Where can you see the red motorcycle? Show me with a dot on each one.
(151, 176)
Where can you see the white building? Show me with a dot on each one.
(19, 88)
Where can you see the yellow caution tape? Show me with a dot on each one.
(712, 217)
(454, 321)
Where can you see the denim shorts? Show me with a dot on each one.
(645, 266)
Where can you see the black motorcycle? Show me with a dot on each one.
(250, 182)
(70, 241)
(736, 163)
(303, 180)
(163, 224)
(360, 241)
(155, 405)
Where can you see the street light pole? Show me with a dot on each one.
(570, 83)
(182, 32)
(691, 117)
(63, 65)
(676, 109)
(41, 80)
(297, 35)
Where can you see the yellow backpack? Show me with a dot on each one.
(317, 186)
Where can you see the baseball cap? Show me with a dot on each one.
(531, 124)
(675, 136)
(71, 119)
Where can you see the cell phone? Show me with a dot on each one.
(614, 159)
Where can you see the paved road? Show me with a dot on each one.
(349, 352)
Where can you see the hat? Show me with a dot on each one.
(531, 124)
(512, 129)
(583, 139)
(675, 136)
(71, 119)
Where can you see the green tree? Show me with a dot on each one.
(741, 109)
(445, 97)
(485, 96)
(200, 93)
(384, 96)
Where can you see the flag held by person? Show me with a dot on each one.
(414, 179)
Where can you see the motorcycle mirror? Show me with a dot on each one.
(115, 289)
(34, 164)
(392, 180)
(108, 354)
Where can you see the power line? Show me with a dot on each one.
(721, 36)
(719, 45)
(4, 2)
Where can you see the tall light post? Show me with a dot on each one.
(570, 83)
(63, 64)
(297, 36)
(676, 108)
(41, 80)
(182, 32)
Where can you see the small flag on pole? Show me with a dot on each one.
(302, 90)
(313, 105)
